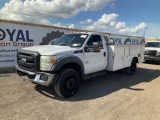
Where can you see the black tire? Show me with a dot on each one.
(67, 83)
(132, 69)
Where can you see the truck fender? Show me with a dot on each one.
(67, 60)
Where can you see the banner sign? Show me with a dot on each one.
(122, 39)
(16, 36)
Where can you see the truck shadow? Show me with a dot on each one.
(152, 63)
(103, 85)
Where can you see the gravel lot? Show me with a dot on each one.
(114, 96)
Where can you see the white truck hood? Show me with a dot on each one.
(51, 49)
(152, 48)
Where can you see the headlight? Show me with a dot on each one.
(158, 53)
(46, 62)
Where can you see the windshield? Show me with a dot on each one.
(153, 44)
(72, 40)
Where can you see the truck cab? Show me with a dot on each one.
(75, 56)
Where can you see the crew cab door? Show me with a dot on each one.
(95, 61)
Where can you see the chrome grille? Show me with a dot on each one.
(151, 52)
(28, 60)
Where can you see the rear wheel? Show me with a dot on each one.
(68, 83)
(132, 69)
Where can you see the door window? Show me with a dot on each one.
(95, 39)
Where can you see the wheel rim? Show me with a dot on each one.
(70, 85)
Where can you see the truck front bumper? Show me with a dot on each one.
(151, 58)
(42, 78)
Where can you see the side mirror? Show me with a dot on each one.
(52, 43)
(93, 48)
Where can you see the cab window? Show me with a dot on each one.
(95, 39)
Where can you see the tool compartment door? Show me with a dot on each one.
(118, 58)
(115, 57)
(127, 60)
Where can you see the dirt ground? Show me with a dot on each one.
(114, 96)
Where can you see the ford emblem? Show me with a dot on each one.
(23, 60)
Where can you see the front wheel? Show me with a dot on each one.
(68, 83)
(132, 69)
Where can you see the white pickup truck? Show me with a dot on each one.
(152, 51)
(75, 56)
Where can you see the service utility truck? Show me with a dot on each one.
(152, 51)
(75, 56)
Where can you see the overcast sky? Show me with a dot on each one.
(130, 17)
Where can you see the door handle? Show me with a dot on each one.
(86, 62)
(104, 54)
